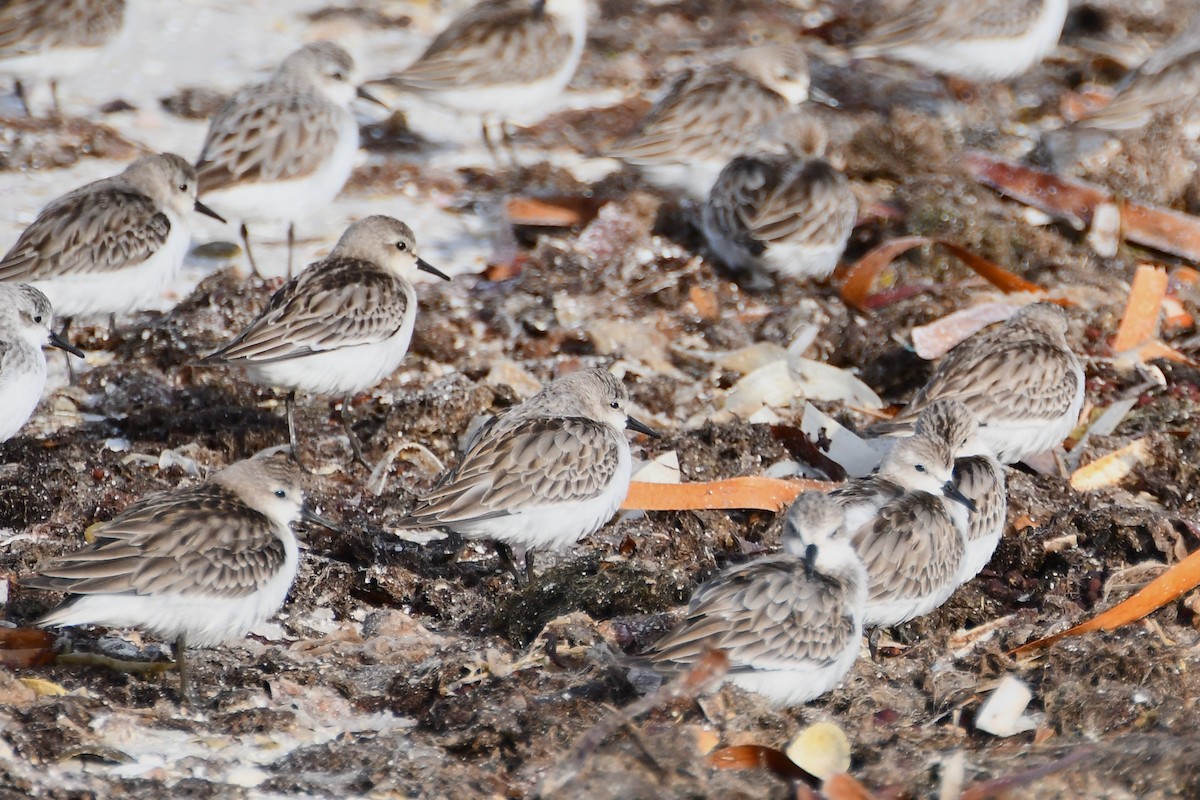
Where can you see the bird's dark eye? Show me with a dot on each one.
(614, 404)
(401, 246)
(337, 76)
(38, 319)
(280, 493)
(183, 187)
(920, 467)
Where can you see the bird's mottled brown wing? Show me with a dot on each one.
(491, 44)
(763, 614)
(199, 541)
(1024, 379)
(28, 26)
(267, 133)
(910, 548)
(534, 462)
(95, 229)
(810, 203)
(335, 303)
(716, 111)
(948, 20)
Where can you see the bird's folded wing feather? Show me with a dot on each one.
(263, 136)
(88, 232)
(803, 207)
(538, 462)
(1022, 379)
(765, 615)
(203, 541)
(334, 304)
(492, 44)
(711, 111)
(909, 548)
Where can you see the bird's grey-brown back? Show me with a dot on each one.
(511, 41)
(1020, 379)
(30, 25)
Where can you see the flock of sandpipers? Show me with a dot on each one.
(205, 564)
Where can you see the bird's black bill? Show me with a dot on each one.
(208, 212)
(951, 491)
(810, 560)
(58, 341)
(824, 98)
(641, 427)
(370, 98)
(308, 515)
(425, 266)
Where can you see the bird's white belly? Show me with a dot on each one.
(802, 260)
(792, 687)
(555, 527)
(293, 199)
(349, 370)
(120, 291)
(205, 620)
(22, 379)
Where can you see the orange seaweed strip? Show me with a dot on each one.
(861, 276)
(1139, 324)
(1176, 581)
(766, 494)
(1076, 201)
(1156, 349)
(555, 212)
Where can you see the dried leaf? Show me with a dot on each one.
(842, 787)
(943, 335)
(1112, 468)
(1003, 787)
(1172, 584)
(1075, 201)
(1139, 324)
(753, 756)
(767, 494)
(44, 688)
(25, 647)
(551, 212)
(858, 280)
(705, 301)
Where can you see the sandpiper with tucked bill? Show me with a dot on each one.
(790, 624)
(713, 114)
(984, 40)
(498, 58)
(1020, 379)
